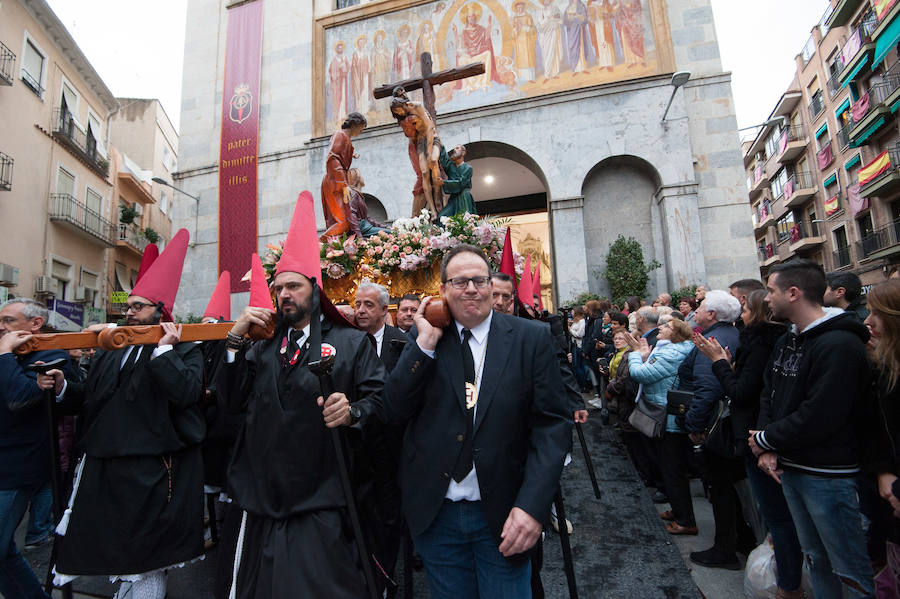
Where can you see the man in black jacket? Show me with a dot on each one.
(25, 445)
(813, 421)
(489, 426)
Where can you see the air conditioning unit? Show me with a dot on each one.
(80, 294)
(45, 285)
(9, 275)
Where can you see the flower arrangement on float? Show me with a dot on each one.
(405, 259)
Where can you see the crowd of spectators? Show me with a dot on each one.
(791, 384)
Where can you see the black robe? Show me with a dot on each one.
(298, 541)
(138, 506)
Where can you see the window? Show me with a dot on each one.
(784, 226)
(65, 182)
(94, 135)
(778, 182)
(772, 140)
(69, 100)
(339, 4)
(823, 138)
(93, 215)
(163, 202)
(60, 271)
(808, 50)
(90, 281)
(33, 67)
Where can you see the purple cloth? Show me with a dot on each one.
(576, 29)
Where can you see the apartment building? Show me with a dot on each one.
(823, 172)
(62, 185)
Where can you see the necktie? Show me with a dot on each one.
(464, 461)
(128, 366)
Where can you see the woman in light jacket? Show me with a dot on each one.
(656, 372)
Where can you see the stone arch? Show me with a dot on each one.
(531, 188)
(620, 199)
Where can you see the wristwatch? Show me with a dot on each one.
(355, 414)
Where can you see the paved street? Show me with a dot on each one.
(620, 547)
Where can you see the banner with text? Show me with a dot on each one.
(240, 142)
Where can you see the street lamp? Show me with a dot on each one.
(678, 79)
(162, 181)
(778, 120)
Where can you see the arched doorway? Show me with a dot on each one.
(375, 208)
(508, 184)
(619, 200)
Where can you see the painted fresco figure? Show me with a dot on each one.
(337, 82)
(550, 37)
(360, 77)
(525, 42)
(335, 191)
(458, 184)
(602, 34)
(578, 49)
(630, 15)
(404, 55)
(425, 42)
(381, 60)
(424, 151)
(361, 224)
(474, 44)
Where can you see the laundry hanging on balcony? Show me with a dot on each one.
(856, 201)
(782, 143)
(824, 157)
(789, 188)
(859, 108)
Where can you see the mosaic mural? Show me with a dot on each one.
(528, 47)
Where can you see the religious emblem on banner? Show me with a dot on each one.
(328, 350)
(241, 103)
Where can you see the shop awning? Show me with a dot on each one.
(122, 277)
(868, 132)
(886, 40)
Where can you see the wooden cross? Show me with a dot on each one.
(428, 80)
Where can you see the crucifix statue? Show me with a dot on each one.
(418, 124)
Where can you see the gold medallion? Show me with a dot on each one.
(471, 395)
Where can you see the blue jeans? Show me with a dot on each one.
(826, 514)
(17, 581)
(40, 519)
(462, 559)
(777, 516)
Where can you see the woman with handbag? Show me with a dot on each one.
(743, 383)
(656, 372)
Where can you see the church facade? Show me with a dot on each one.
(574, 94)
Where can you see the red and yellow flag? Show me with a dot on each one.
(882, 7)
(869, 172)
(832, 205)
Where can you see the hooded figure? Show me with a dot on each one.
(136, 507)
(296, 539)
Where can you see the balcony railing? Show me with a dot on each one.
(843, 137)
(879, 239)
(128, 235)
(857, 38)
(345, 3)
(816, 106)
(804, 230)
(764, 211)
(79, 143)
(6, 170)
(7, 63)
(870, 185)
(67, 209)
(834, 85)
(766, 251)
(842, 257)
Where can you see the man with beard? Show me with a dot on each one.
(296, 539)
(137, 503)
(502, 294)
(406, 311)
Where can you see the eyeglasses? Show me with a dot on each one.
(135, 307)
(463, 282)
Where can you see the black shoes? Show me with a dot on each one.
(714, 558)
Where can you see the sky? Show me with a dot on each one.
(137, 47)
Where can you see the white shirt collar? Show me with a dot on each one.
(379, 334)
(479, 331)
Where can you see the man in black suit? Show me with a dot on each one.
(371, 309)
(489, 426)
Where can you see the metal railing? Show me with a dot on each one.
(345, 3)
(879, 239)
(802, 180)
(833, 85)
(842, 257)
(816, 105)
(764, 211)
(32, 83)
(6, 170)
(894, 158)
(766, 251)
(65, 129)
(66, 208)
(864, 29)
(131, 237)
(7, 62)
(804, 230)
(843, 137)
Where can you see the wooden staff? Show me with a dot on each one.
(113, 338)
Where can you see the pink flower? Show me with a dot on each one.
(395, 248)
(408, 250)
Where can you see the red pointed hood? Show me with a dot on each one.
(507, 261)
(260, 297)
(160, 283)
(301, 247)
(526, 285)
(151, 253)
(536, 287)
(219, 306)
